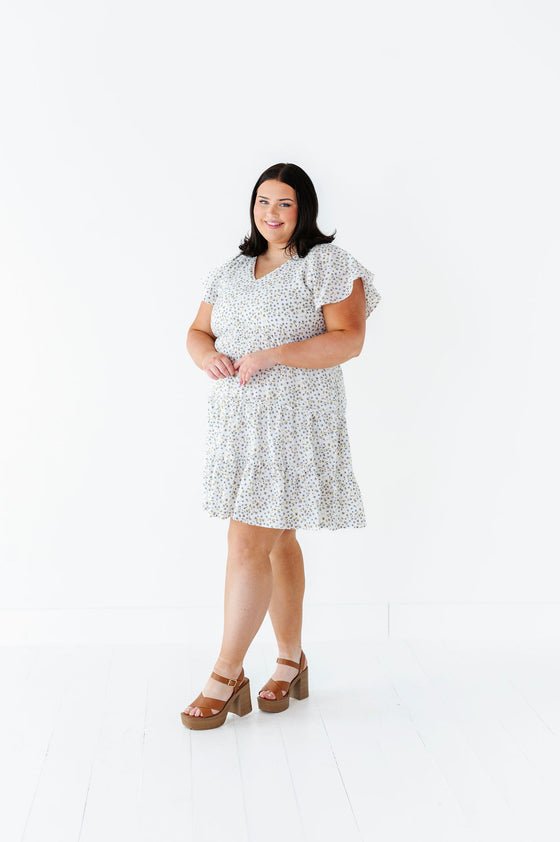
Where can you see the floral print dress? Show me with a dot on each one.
(277, 448)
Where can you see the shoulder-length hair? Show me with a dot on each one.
(306, 233)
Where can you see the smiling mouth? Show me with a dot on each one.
(274, 224)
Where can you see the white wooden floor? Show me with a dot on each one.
(398, 740)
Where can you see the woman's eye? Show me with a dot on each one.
(283, 204)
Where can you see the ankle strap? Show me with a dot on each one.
(230, 681)
(290, 663)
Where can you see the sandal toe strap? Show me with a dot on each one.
(206, 703)
(276, 687)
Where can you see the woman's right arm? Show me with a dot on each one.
(200, 345)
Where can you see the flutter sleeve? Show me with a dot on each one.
(211, 284)
(330, 275)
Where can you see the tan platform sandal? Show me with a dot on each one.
(239, 702)
(298, 687)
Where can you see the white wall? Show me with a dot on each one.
(131, 137)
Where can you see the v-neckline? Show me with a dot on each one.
(254, 265)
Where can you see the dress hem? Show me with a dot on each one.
(315, 527)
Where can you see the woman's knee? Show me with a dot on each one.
(248, 541)
(285, 540)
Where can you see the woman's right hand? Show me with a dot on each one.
(217, 365)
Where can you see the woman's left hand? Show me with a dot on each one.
(251, 363)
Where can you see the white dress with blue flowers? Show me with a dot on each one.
(277, 448)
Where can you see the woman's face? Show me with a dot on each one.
(275, 212)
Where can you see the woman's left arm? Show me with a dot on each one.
(346, 328)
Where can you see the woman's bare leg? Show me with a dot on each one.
(248, 589)
(286, 604)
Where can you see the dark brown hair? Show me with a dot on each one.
(306, 233)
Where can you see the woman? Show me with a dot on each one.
(272, 330)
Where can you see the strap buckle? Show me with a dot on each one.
(232, 681)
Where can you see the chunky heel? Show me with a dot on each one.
(242, 704)
(300, 687)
